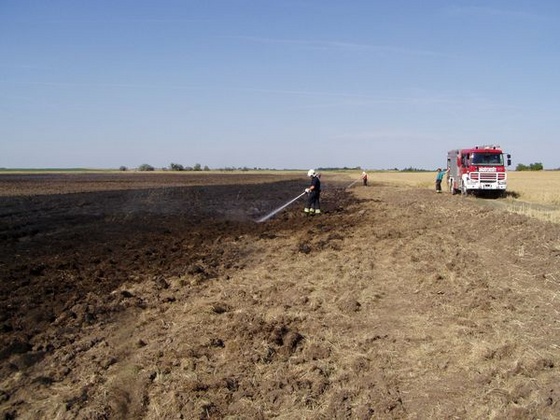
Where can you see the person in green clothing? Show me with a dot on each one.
(439, 178)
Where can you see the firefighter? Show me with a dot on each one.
(313, 194)
(439, 178)
(364, 178)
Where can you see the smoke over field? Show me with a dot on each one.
(159, 296)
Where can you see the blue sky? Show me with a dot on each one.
(276, 84)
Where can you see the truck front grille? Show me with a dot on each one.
(488, 176)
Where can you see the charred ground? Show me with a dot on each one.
(158, 296)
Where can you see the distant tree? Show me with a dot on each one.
(145, 167)
(537, 166)
(176, 167)
(123, 169)
(411, 169)
(197, 167)
(206, 168)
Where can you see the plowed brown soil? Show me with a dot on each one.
(156, 296)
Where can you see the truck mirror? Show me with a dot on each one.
(509, 162)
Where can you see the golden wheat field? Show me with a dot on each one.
(533, 194)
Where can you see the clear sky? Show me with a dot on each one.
(276, 83)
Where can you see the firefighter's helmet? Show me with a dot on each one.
(311, 172)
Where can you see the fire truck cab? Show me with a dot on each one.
(478, 170)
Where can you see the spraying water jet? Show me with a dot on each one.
(268, 216)
(352, 183)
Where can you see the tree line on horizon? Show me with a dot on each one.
(197, 167)
(537, 166)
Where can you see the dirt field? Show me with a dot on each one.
(157, 296)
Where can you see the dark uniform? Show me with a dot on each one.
(313, 194)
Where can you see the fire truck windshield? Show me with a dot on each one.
(487, 159)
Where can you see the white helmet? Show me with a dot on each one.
(311, 172)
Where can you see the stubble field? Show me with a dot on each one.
(159, 296)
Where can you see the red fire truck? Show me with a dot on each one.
(479, 170)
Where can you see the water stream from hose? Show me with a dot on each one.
(352, 183)
(268, 216)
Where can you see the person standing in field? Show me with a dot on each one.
(364, 178)
(439, 178)
(313, 194)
